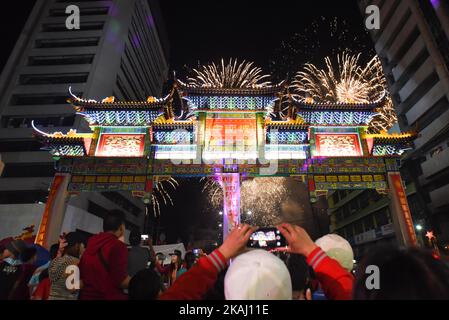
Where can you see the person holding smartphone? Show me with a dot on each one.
(195, 283)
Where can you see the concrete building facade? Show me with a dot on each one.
(413, 44)
(120, 50)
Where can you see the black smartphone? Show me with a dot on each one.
(267, 238)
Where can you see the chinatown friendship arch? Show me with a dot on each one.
(227, 133)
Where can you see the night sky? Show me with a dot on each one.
(278, 35)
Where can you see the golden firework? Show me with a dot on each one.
(160, 193)
(230, 75)
(347, 81)
(261, 196)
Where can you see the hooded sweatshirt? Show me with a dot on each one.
(103, 267)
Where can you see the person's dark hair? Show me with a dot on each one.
(178, 253)
(410, 274)
(73, 239)
(135, 237)
(113, 220)
(299, 272)
(54, 250)
(145, 285)
(27, 254)
(190, 259)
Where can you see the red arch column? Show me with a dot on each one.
(402, 217)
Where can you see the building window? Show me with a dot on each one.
(122, 202)
(433, 113)
(36, 79)
(339, 215)
(417, 94)
(101, 212)
(349, 232)
(358, 227)
(38, 99)
(22, 170)
(71, 1)
(18, 146)
(368, 223)
(67, 43)
(363, 199)
(21, 122)
(335, 197)
(21, 197)
(61, 27)
(436, 151)
(436, 28)
(374, 196)
(382, 217)
(95, 11)
(60, 60)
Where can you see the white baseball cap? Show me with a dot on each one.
(338, 249)
(258, 275)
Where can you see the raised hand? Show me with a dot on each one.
(299, 241)
(236, 241)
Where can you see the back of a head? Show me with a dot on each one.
(113, 220)
(299, 271)
(410, 274)
(337, 248)
(258, 275)
(73, 238)
(27, 254)
(135, 237)
(145, 285)
(74, 241)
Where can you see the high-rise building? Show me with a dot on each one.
(413, 44)
(363, 217)
(120, 50)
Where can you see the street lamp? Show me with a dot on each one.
(249, 213)
(220, 213)
(220, 225)
(418, 227)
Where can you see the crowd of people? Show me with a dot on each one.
(304, 270)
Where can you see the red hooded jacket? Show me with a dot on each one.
(103, 267)
(335, 281)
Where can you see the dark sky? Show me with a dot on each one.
(204, 30)
(279, 35)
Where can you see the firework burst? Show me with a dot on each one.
(347, 81)
(261, 196)
(385, 119)
(230, 75)
(160, 193)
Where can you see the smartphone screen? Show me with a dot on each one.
(267, 238)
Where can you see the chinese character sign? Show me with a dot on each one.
(399, 198)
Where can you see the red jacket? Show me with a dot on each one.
(335, 281)
(195, 283)
(102, 279)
